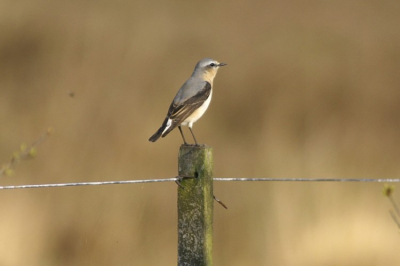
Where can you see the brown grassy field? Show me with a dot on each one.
(312, 89)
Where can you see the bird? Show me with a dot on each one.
(191, 101)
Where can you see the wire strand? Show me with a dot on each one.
(393, 180)
(91, 183)
(174, 179)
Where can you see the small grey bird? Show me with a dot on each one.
(191, 101)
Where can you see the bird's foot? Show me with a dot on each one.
(200, 145)
(189, 145)
(194, 145)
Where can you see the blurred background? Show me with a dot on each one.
(311, 90)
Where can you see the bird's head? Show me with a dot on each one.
(207, 68)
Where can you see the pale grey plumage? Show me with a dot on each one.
(189, 89)
(192, 99)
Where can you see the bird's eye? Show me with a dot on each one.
(212, 65)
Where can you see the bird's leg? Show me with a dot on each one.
(195, 141)
(184, 141)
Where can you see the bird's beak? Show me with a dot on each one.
(222, 64)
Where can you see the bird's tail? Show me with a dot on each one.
(156, 135)
(159, 132)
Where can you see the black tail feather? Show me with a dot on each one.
(156, 135)
(159, 132)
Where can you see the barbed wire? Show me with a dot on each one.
(174, 179)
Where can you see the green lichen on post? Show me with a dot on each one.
(195, 206)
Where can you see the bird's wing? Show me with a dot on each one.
(178, 112)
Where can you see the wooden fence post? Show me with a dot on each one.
(195, 206)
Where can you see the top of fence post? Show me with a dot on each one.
(195, 206)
